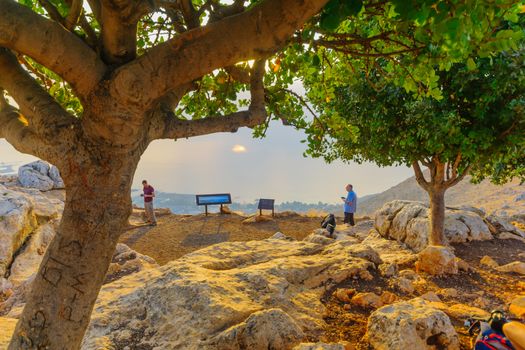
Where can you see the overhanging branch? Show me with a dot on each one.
(50, 44)
(14, 129)
(252, 34)
(175, 128)
(44, 115)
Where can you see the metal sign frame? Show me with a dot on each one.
(213, 199)
(266, 204)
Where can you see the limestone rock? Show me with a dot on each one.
(388, 270)
(390, 252)
(461, 312)
(17, 222)
(515, 267)
(13, 305)
(257, 219)
(386, 214)
(388, 297)
(319, 237)
(488, 261)
(510, 235)
(517, 306)
(463, 265)
(367, 300)
(279, 235)
(449, 292)
(7, 327)
(414, 324)
(262, 330)
(479, 211)
(431, 296)
(127, 261)
(226, 210)
(40, 175)
(437, 260)
(344, 295)
(46, 205)
(220, 291)
(319, 346)
(29, 259)
(403, 284)
(502, 225)
(407, 222)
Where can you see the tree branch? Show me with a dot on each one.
(75, 10)
(92, 38)
(118, 20)
(253, 34)
(457, 179)
(191, 16)
(255, 115)
(52, 11)
(454, 179)
(44, 115)
(420, 178)
(14, 129)
(73, 60)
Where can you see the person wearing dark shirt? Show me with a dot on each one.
(149, 194)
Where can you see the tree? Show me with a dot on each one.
(477, 126)
(94, 85)
(125, 97)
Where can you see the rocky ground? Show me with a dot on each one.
(236, 282)
(177, 235)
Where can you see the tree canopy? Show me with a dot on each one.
(481, 115)
(477, 126)
(405, 42)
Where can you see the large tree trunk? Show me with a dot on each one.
(69, 279)
(437, 215)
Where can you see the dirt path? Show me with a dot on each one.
(177, 235)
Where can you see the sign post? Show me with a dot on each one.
(213, 199)
(266, 204)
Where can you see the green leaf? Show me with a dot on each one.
(471, 65)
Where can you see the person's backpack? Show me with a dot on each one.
(328, 223)
(493, 341)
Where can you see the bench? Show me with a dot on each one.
(267, 204)
(213, 199)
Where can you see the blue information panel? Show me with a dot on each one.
(211, 199)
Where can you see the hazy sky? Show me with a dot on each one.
(248, 168)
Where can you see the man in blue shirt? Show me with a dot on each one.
(350, 205)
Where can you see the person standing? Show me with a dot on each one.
(350, 205)
(149, 194)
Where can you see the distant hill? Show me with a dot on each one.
(506, 200)
(185, 204)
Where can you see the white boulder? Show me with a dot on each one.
(408, 222)
(21, 213)
(17, 222)
(40, 175)
(31, 255)
(413, 324)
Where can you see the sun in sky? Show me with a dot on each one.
(239, 149)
